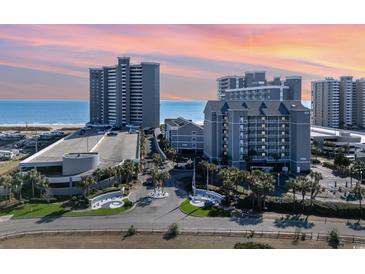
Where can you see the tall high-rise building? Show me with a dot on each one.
(125, 94)
(338, 103)
(254, 86)
(326, 103)
(360, 102)
(346, 102)
(228, 82)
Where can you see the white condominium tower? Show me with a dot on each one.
(326, 103)
(338, 103)
(360, 102)
(125, 94)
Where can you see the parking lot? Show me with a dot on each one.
(336, 187)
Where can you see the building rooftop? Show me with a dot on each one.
(112, 149)
(179, 122)
(257, 108)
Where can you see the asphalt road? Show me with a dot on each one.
(159, 214)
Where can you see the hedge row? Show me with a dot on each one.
(319, 208)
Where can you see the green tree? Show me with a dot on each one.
(18, 182)
(127, 171)
(155, 178)
(34, 178)
(86, 182)
(6, 181)
(358, 168)
(163, 177)
(293, 186)
(314, 185)
(157, 159)
(262, 184)
(227, 177)
(98, 174)
(341, 160)
(359, 193)
(171, 153)
(303, 187)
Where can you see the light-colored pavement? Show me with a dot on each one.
(114, 149)
(161, 213)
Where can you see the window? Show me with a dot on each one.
(263, 154)
(193, 132)
(262, 118)
(263, 147)
(263, 140)
(262, 132)
(263, 125)
(241, 127)
(241, 119)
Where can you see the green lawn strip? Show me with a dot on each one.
(30, 210)
(206, 211)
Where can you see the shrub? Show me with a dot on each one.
(172, 232)
(328, 165)
(42, 200)
(316, 161)
(252, 245)
(131, 231)
(333, 239)
(319, 208)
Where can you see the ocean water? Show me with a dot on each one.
(77, 112)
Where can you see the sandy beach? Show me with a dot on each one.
(52, 126)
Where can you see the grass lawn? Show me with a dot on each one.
(206, 211)
(56, 210)
(7, 166)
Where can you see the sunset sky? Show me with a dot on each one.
(52, 61)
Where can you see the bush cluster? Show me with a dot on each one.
(319, 208)
(252, 245)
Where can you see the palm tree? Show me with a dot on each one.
(244, 176)
(163, 177)
(155, 178)
(314, 185)
(157, 159)
(262, 184)
(18, 182)
(98, 173)
(303, 187)
(359, 192)
(86, 182)
(128, 170)
(44, 186)
(6, 181)
(293, 186)
(204, 165)
(211, 169)
(267, 186)
(33, 176)
(359, 167)
(227, 178)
